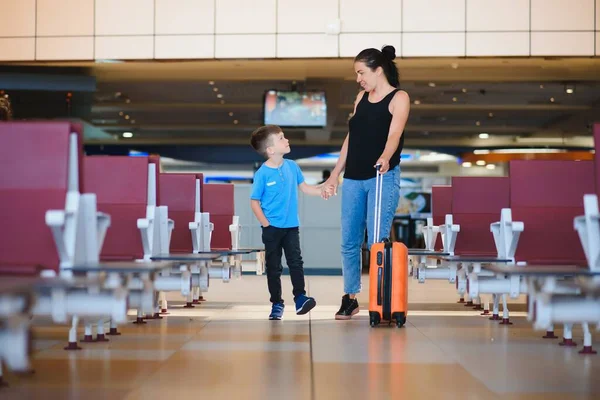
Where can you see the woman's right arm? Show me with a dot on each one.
(341, 162)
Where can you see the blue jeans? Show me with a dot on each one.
(358, 213)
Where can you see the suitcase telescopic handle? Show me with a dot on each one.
(378, 193)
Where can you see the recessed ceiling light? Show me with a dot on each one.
(464, 90)
(478, 123)
(417, 102)
(481, 151)
(552, 99)
(127, 117)
(490, 115)
(121, 113)
(235, 121)
(481, 163)
(541, 86)
(490, 166)
(220, 96)
(454, 65)
(431, 84)
(454, 99)
(215, 89)
(467, 164)
(127, 134)
(128, 101)
(211, 82)
(484, 136)
(231, 114)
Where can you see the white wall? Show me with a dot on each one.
(196, 29)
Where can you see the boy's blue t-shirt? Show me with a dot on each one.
(277, 191)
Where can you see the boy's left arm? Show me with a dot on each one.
(312, 190)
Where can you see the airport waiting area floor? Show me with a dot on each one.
(226, 348)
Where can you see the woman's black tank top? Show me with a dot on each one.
(368, 134)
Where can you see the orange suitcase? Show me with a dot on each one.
(388, 275)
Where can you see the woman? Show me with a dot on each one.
(375, 137)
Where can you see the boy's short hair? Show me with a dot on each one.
(260, 138)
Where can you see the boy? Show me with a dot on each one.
(274, 201)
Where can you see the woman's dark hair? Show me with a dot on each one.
(374, 58)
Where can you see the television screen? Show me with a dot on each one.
(295, 109)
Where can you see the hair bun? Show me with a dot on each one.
(389, 52)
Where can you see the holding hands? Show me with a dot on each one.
(329, 187)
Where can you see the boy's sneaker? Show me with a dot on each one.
(348, 309)
(304, 304)
(276, 312)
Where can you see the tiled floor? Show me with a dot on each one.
(225, 348)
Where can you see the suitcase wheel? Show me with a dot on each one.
(374, 318)
(400, 318)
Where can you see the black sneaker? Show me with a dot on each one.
(348, 309)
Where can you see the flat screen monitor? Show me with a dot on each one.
(295, 109)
